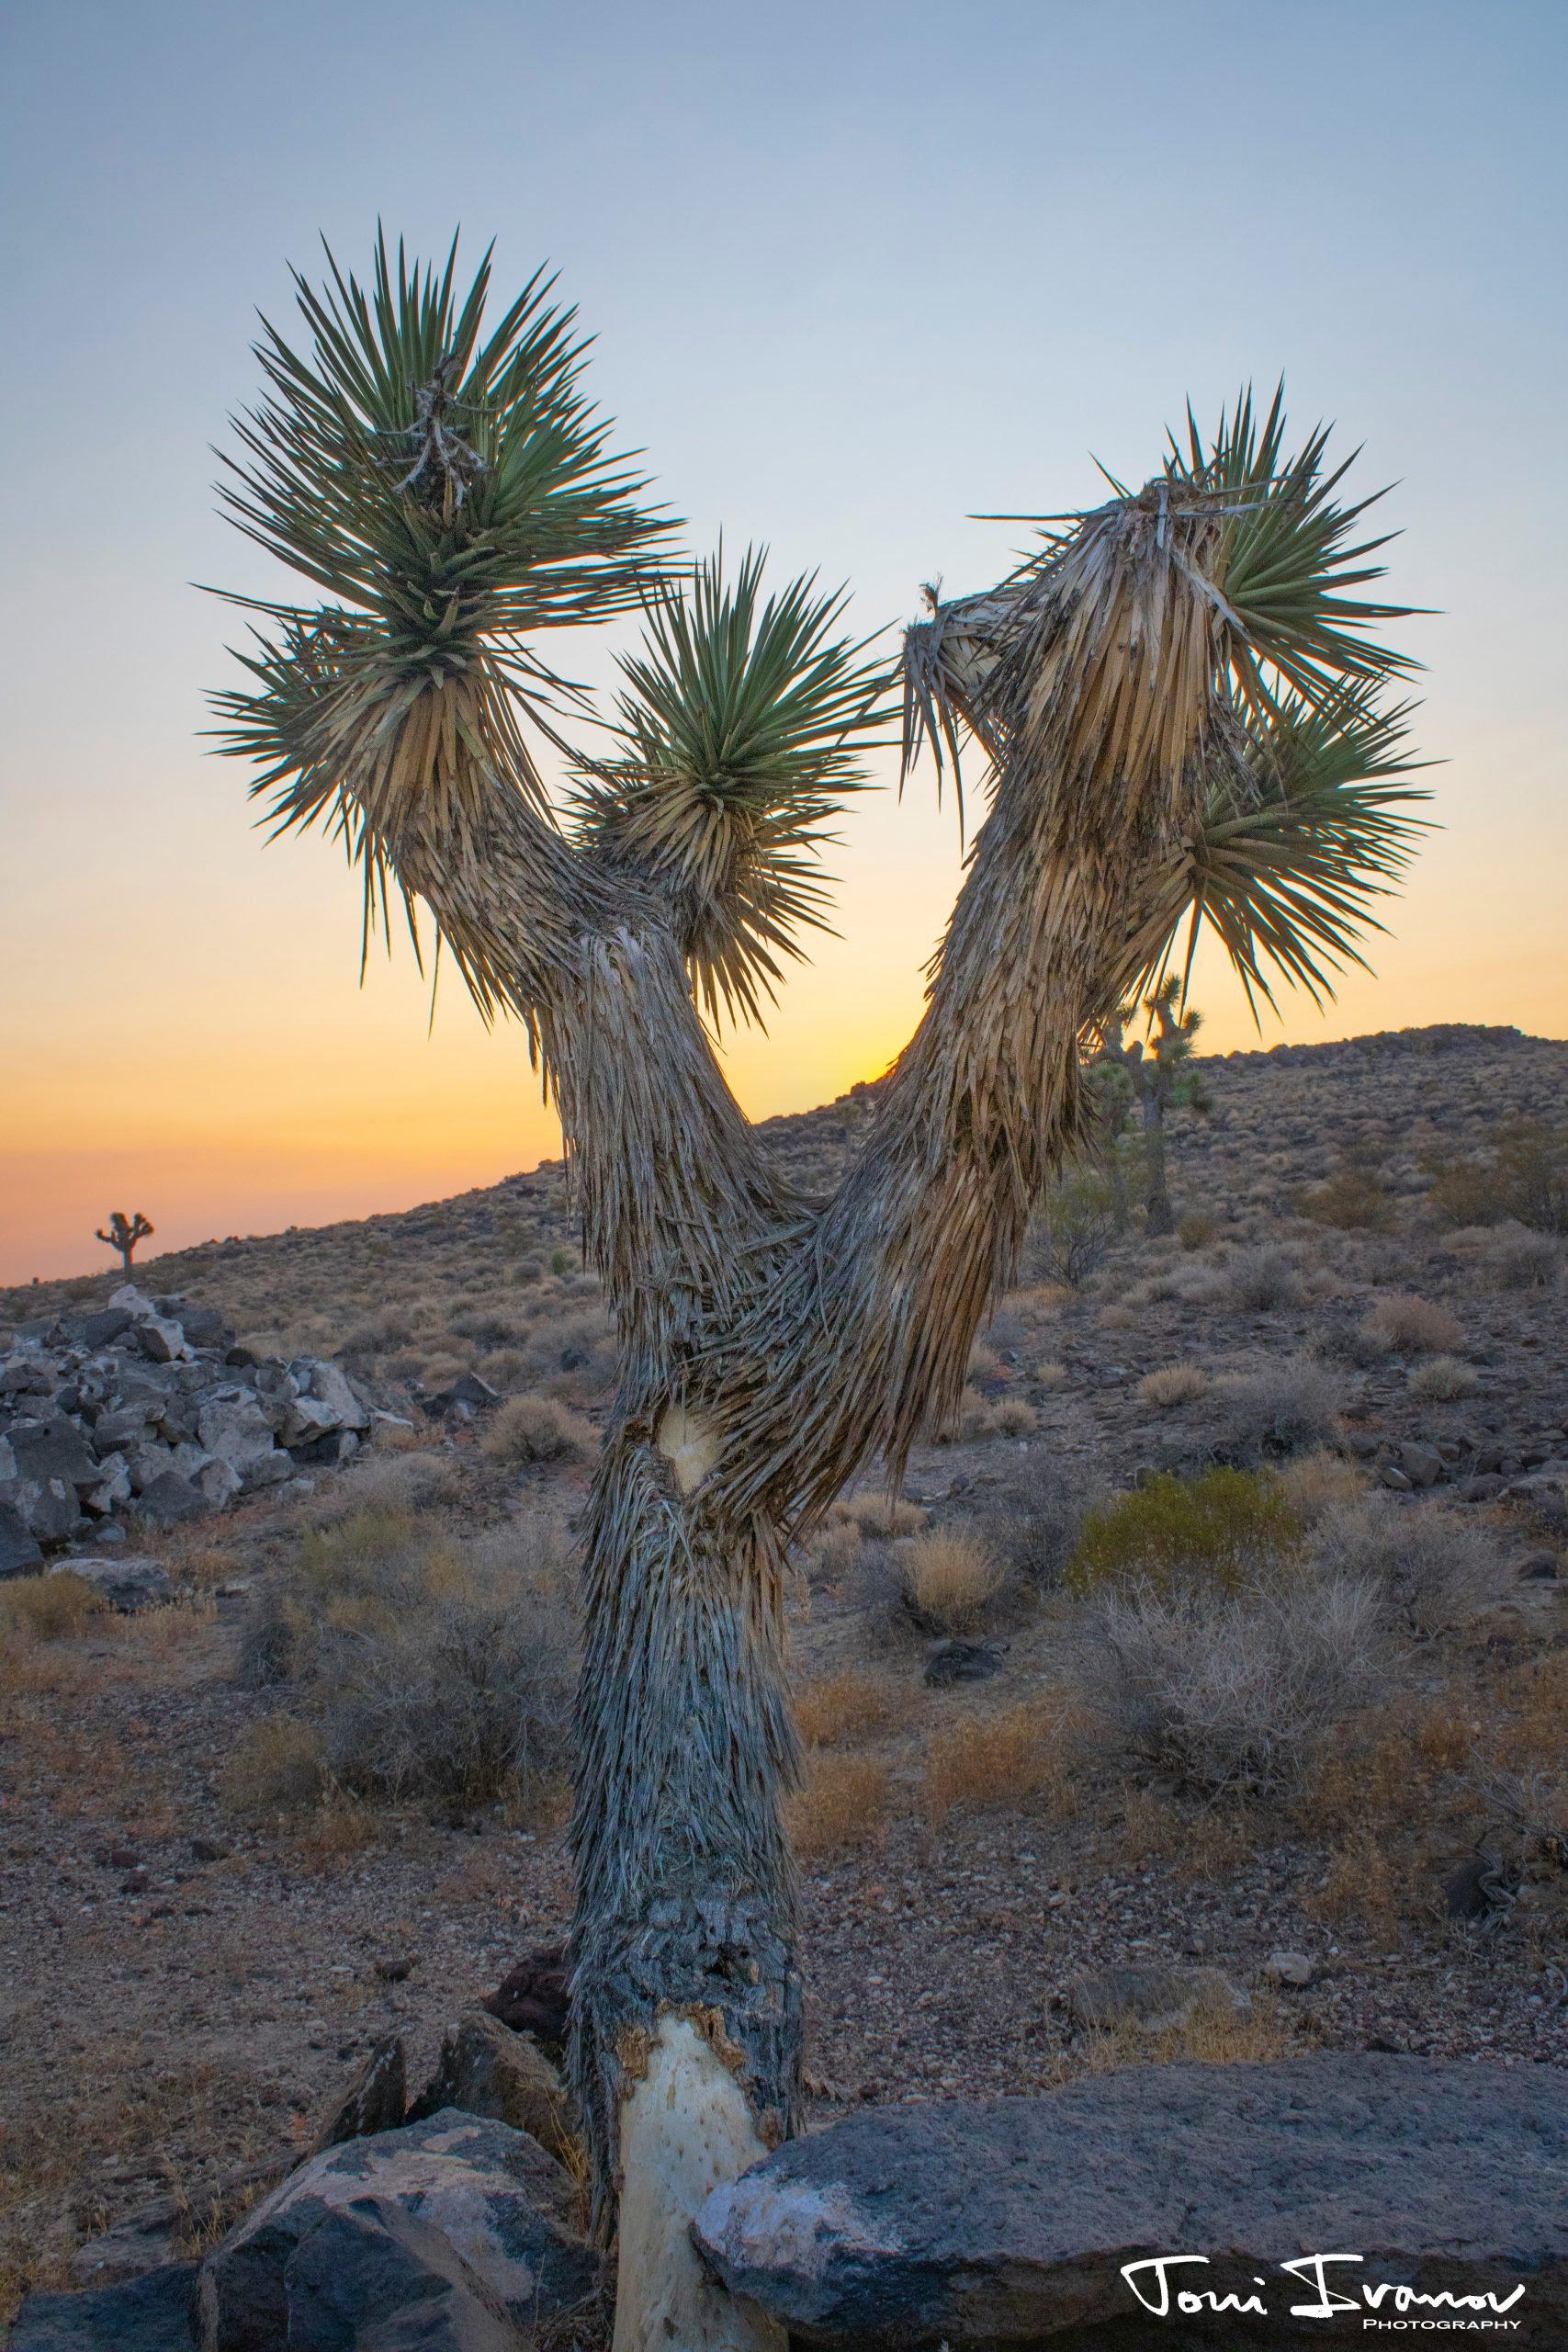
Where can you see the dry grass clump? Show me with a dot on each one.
(851, 1705)
(1442, 1380)
(1429, 1568)
(1520, 1261)
(1233, 1691)
(1315, 1483)
(952, 1580)
(428, 1664)
(1003, 1761)
(1260, 1281)
(1050, 1374)
(843, 1802)
(1215, 1529)
(884, 1516)
(1177, 1384)
(1194, 1229)
(277, 1767)
(836, 1546)
(1286, 1407)
(1412, 1326)
(978, 1419)
(539, 1429)
(49, 1608)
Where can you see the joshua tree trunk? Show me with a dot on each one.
(458, 497)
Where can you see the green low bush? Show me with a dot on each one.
(1215, 1529)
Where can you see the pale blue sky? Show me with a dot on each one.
(857, 271)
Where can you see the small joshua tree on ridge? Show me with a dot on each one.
(124, 1234)
(1166, 694)
(1161, 1077)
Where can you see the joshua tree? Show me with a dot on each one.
(124, 1233)
(1157, 1078)
(1132, 688)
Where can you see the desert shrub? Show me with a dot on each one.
(1525, 1179)
(1524, 1260)
(428, 1664)
(951, 1581)
(489, 1325)
(1037, 1522)
(1261, 1281)
(1231, 1690)
(561, 1261)
(1215, 1530)
(537, 1429)
(400, 1481)
(1353, 1198)
(1429, 1568)
(1413, 1325)
(49, 1608)
(277, 1767)
(1178, 1384)
(1315, 1483)
(1282, 1409)
(1000, 1761)
(843, 1803)
(1080, 1224)
(1194, 1230)
(1440, 1380)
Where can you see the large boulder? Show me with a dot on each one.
(1014, 2222)
(377, 2100)
(494, 2196)
(53, 1448)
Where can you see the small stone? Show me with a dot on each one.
(394, 1971)
(1288, 1968)
(956, 1661)
(1392, 1476)
(1540, 1568)
(1421, 1464)
(210, 1849)
(137, 1883)
(169, 1499)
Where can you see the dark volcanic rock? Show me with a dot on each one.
(532, 1997)
(492, 2192)
(372, 2274)
(1006, 2221)
(150, 2314)
(22, 1554)
(488, 2068)
(377, 2101)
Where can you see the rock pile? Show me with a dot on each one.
(146, 1407)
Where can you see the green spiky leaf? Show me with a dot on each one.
(744, 725)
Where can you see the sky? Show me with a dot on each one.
(858, 272)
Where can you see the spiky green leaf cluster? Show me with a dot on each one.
(1289, 557)
(1290, 857)
(744, 724)
(455, 488)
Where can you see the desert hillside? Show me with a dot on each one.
(1203, 1693)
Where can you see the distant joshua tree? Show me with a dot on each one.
(1175, 706)
(1159, 1078)
(124, 1234)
